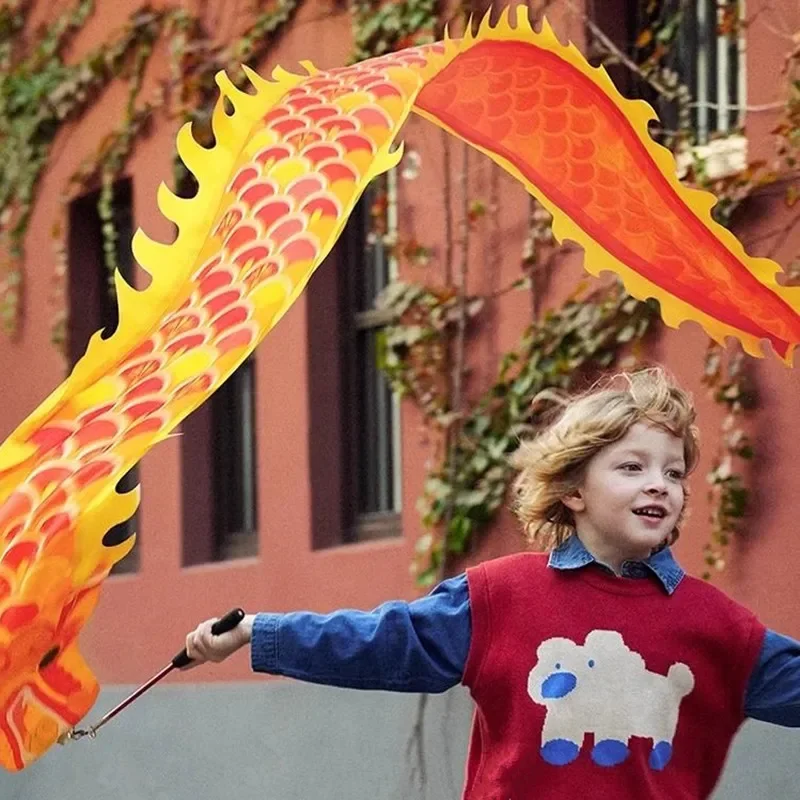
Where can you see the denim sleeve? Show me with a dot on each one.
(773, 693)
(420, 646)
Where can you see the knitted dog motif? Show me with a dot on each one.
(604, 688)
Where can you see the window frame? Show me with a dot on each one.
(717, 48)
(370, 525)
(334, 320)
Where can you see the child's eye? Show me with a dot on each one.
(631, 467)
(676, 475)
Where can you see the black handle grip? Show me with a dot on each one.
(227, 623)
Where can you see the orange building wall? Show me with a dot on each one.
(142, 618)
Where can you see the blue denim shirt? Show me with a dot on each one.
(422, 646)
(573, 555)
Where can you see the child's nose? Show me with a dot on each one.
(656, 484)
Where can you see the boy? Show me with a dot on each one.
(599, 665)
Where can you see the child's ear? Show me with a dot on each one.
(574, 502)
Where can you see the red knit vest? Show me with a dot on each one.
(589, 685)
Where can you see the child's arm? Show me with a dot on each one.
(773, 694)
(420, 646)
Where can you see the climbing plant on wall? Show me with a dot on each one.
(381, 27)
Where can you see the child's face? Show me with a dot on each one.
(631, 495)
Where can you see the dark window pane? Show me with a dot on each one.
(368, 258)
(735, 117)
(684, 60)
(219, 473)
(234, 454)
(699, 58)
(710, 41)
(92, 297)
(369, 413)
(376, 431)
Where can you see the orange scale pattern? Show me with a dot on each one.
(568, 138)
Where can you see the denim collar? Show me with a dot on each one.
(572, 554)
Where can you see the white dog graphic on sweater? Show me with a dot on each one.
(604, 688)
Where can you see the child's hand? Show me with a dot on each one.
(202, 645)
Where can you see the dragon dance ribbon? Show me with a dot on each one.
(275, 192)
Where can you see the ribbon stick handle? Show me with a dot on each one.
(223, 625)
(227, 623)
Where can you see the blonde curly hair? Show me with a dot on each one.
(552, 464)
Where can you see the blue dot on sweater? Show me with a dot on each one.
(661, 755)
(559, 752)
(609, 753)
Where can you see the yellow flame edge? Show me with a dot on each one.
(515, 25)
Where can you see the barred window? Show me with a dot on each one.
(709, 57)
(701, 41)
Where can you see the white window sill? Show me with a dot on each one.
(721, 157)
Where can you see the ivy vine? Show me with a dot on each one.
(729, 377)
(381, 27)
(39, 91)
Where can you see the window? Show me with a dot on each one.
(707, 60)
(355, 433)
(234, 483)
(373, 417)
(711, 65)
(93, 305)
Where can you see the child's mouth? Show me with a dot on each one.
(655, 513)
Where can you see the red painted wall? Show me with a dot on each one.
(143, 618)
